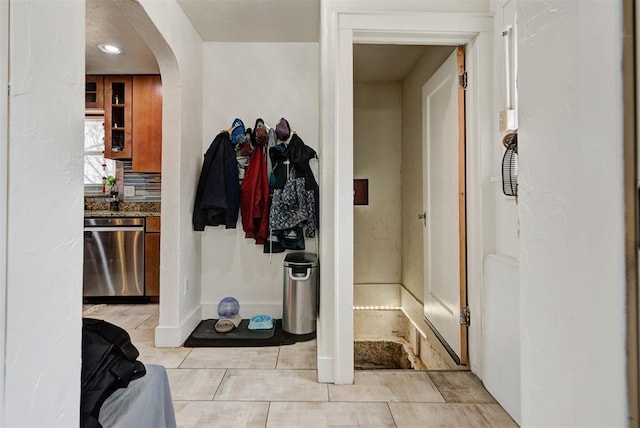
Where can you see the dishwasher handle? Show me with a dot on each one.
(113, 222)
(112, 229)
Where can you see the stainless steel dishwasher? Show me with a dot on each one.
(113, 257)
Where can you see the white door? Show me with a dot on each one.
(444, 198)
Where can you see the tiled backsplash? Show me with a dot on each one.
(147, 185)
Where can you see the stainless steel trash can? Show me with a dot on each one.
(300, 296)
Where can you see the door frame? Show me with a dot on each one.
(631, 95)
(335, 330)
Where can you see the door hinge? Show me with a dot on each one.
(465, 316)
(423, 216)
(463, 80)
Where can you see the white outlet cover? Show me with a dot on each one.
(129, 190)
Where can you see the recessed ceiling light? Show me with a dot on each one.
(110, 49)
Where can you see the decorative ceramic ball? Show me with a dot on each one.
(228, 307)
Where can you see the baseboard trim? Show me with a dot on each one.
(172, 337)
(325, 370)
(414, 310)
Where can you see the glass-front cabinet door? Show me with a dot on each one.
(118, 117)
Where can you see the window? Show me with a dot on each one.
(95, 165)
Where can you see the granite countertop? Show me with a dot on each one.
(100, 208)
(108, 213)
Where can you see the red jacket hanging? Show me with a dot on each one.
(254, 196)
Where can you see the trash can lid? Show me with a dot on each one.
(301, 259)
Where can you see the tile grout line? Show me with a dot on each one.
(395, 424)
(183, 358)
(266, 421)
(435, 386)
(143, 321)
(277, 358)
(220, 384)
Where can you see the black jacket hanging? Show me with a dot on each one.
(295, 199)
(300, 154)
(218, 194)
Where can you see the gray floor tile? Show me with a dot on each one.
(489, 416)
(168, 357)
(312, 342)
(194, 384)
(102, 310)
(454, 415)
(236, 358)
(329, 414)
(150, 323)
(461, 387)
(241, 387)
(88, 309)
(297, 357)
(212, 414)
(127, 322)
(413, 415)
(147, 309)
(142, 338)
(271, 385)
(391, 386)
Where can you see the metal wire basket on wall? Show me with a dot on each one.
(510, 166)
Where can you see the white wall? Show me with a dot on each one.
(250, 81)
(4, 176)
(178, 49)
(572, 270)
(505, 215)
(44, 214)
(500, 369)
(377, 153)
(412, 171)
(501, 332)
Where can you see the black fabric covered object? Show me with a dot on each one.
(282, 240)
(218, 194)
(109, 362)
(295, 198)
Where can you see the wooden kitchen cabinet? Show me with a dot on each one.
(147, 124)
(118, 117)
(152, 258)
(133, 120)
(94, 93)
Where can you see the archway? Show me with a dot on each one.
(171, 164)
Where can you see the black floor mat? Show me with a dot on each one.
(205, 336)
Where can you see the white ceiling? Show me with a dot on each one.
(254, 20)
(214, 20)
(105, 23)
(387, 63)
(237, 21)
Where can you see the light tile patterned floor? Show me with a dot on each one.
(277, 386)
